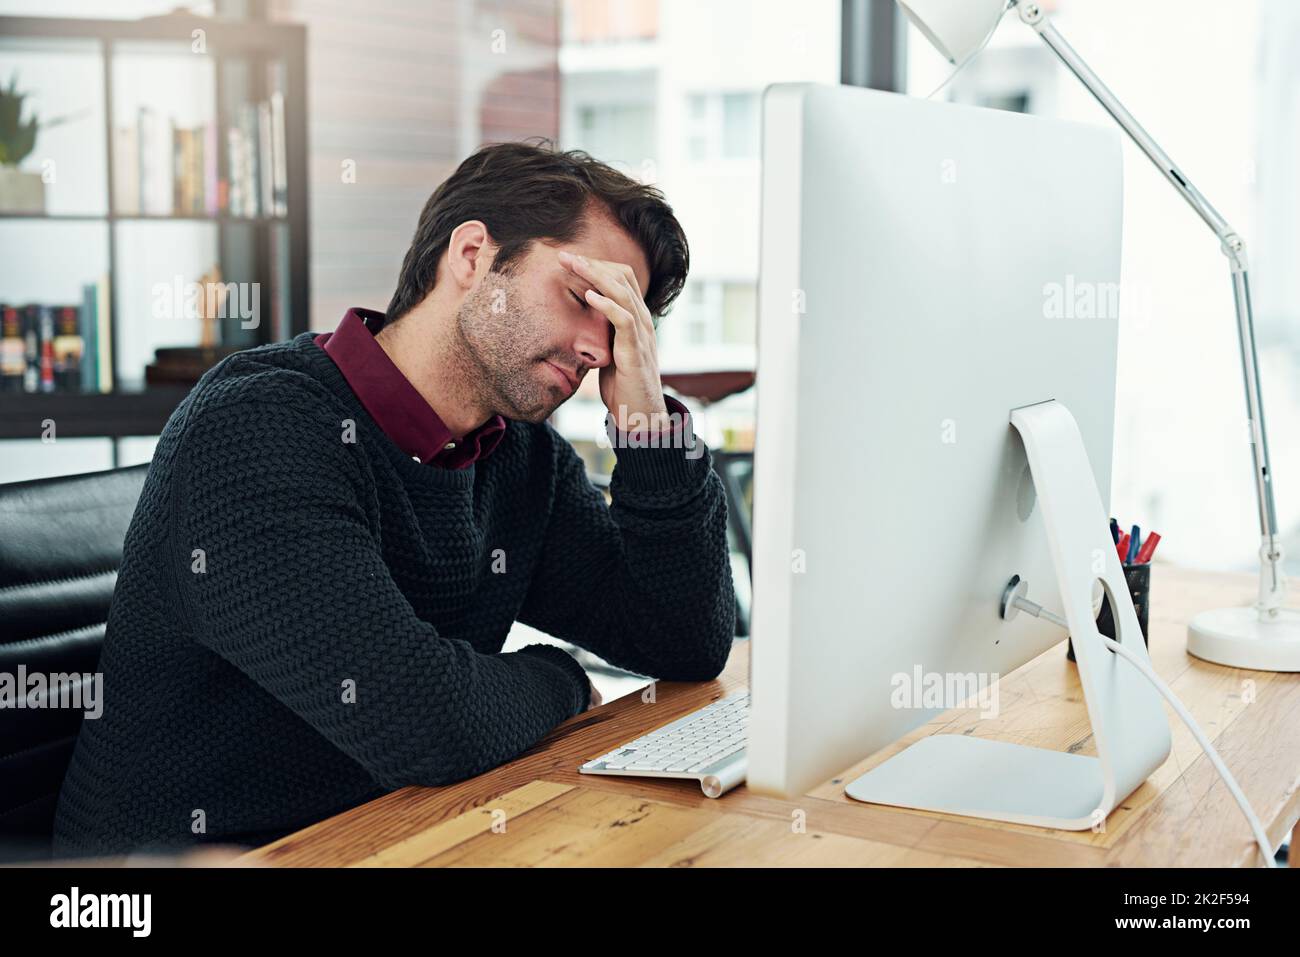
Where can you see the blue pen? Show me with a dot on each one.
(1134, 536)
(1114, 531)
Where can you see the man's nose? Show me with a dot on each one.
(593, 345)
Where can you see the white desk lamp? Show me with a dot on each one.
(1265, 636)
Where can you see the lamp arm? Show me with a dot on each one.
(1272, 585)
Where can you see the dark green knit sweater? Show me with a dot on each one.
(302, 623)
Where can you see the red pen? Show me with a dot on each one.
(1122, 547)
(1148, 548)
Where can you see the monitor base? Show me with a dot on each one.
(979, 777)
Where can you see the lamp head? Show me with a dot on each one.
(956, 28)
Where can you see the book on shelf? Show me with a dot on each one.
(235, 171)
(213, 194)
(155, 137)
(279, 158)
(126, 169)
(161, 169)
(96, 303)
(13, 349)
(188, 172)
(265, 164)
(57, 348)
(247, 160)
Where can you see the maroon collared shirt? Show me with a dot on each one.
(395, 405)
(399, 409)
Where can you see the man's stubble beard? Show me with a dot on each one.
(499, 356)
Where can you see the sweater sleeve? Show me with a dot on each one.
(293, 591)
(644, 582)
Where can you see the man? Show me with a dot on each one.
(338, 531)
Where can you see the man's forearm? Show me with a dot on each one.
(654, 567)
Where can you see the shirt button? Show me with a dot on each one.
(416, 457)
(450, 445)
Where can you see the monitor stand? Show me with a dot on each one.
(986, 778)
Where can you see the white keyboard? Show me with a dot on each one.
(707, 745)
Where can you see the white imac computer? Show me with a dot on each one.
(936, 388)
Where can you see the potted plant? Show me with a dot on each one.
(19, 192)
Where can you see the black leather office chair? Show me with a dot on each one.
(60, 548)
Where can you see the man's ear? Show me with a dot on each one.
(469, 252)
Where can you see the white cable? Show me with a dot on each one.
(1261, 838)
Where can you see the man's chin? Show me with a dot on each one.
(539, 412)
(535, 417)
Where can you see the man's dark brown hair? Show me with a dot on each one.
(528, 191)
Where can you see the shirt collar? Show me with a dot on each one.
(394, 403)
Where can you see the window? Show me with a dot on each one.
(681, 85)
(713, 312)
(604, 21)
(619, 133)
(723, 126)
(1233, 129)
(739, 312)
(740, 126)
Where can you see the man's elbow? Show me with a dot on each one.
(709, 657)
(703, 669)
(721, 634)
(712, 667)
(435, 768)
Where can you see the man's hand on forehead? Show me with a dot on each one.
(630, 383)
(611, 280)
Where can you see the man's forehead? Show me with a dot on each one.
(603, 238)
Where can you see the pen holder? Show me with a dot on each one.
(1139, 587)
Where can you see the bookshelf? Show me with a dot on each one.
(233, 211)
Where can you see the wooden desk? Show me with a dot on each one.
(538, 811)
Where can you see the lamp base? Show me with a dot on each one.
(1239, 638)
